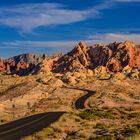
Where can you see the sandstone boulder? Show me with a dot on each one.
(119, 76)
(135, 74)
(69, 79)
(55, 82)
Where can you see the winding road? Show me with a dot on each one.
(15, 130)
(80, 102)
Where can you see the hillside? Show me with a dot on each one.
(94, 88)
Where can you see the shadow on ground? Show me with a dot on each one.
(17, 129)
(26, 126)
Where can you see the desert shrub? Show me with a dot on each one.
(131, 131)
(78, 119)
(138, 126)
(96, 113)
(119, 137)
(134, 115)
(87, 114)
(57, 129)
(71, 135)
(97, 137)
(129, 109)
(81, 134)
(106, 114)
(101, 126)
(92, 137)
(2, 120)
(45, 133)
(136, 130)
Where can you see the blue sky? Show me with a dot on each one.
(52, 26)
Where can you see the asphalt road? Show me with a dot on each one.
(80, 102)
(15, 130)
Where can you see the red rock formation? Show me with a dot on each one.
(47, 65)
(22, 64)
(115, 57)
(2, 66)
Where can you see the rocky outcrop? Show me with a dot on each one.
(2, 66)
(47, 64)
(21, 65)
(115, 57)
(76, 60)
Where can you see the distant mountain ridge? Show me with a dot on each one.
(114, 56)
(27, 58)
(23, 64)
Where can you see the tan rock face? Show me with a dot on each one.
(47, 65)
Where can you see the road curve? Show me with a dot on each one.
(15, 130)
(80, 102)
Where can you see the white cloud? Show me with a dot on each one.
(127, 0)
(69, 44)
(26, 17)
(111, 37)
(60, 46)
